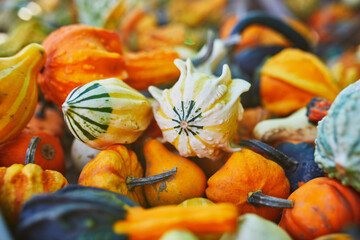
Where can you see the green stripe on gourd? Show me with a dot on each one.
(105, 112)
(338, 138)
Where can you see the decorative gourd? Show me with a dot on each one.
(295, 127)
(154, 222)
(79, 54)
(321, 206)
(178, 235)
(188, 182)
(336, 236)
(106, 112)
(118, 170)
(19, 93)
(196, 202)
(297, 160)
(245, 180)
(251, 226)
(47, 119)
(317, 109)
(19, 183)
(337, 149)
(307, 169)
(199, 114)
(74, 212)
(81, 154)
(46, 151)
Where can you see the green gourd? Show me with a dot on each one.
(337, 149)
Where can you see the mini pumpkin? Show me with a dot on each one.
(19, 182)
(321, 206)
(199, 114)
(246, 180)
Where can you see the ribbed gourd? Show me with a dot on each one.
(199, 114)
(18, 89)
(105, 112)
(337, 145)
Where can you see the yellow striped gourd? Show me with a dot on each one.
(18, 89)
(106, 112)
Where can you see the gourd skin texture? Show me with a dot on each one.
(106, 112)
(337, 150)
(245, 172)
(18, 183)
(321, 206)
(199, 114)
(109, 170)
(19, 72)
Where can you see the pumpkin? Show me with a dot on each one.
(106, 112)
(47, 151)
(321, 206)
(199, 113)
(246, 180)
(251, 226)
(118, 170)
(317, 109)
(188, 182)
(79, 54)
(18, 183)
(285, 88)
(337, 149)
(154, 222)
(47, 119)
(74, 212)
(19, 72)
(297, 160)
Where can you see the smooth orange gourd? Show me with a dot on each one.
(49, 154)
(188, 182)
(245, 173)
(321, 206)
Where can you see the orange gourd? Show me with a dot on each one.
(143, 224)
(79, 54)
(47, 119)
(188, 182)
(18, 183)
(321, 206)
(245, 175)
(48, 151)
(117, 169)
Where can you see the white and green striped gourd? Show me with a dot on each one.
(337, 149)
(106, 112)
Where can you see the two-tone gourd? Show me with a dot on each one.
(105, 112)
(337, 144)
(199, 114)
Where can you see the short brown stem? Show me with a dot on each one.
(257, 198)
(132, 182)
(30, 152)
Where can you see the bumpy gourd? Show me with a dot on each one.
(337, 145)
(199, 114)
(105, 112)
(18, 89)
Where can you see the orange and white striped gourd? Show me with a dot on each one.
(18, 89)
(199, 114)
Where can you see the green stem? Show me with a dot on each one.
(257, 198)
(30, 152)
(132, 182)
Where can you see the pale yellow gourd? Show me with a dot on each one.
(199, 114)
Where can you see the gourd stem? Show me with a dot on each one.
(209, 49)
(30, 152)
(257, 198)
(132, 182)
(273, 154)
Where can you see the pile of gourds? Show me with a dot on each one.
(172, 147)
